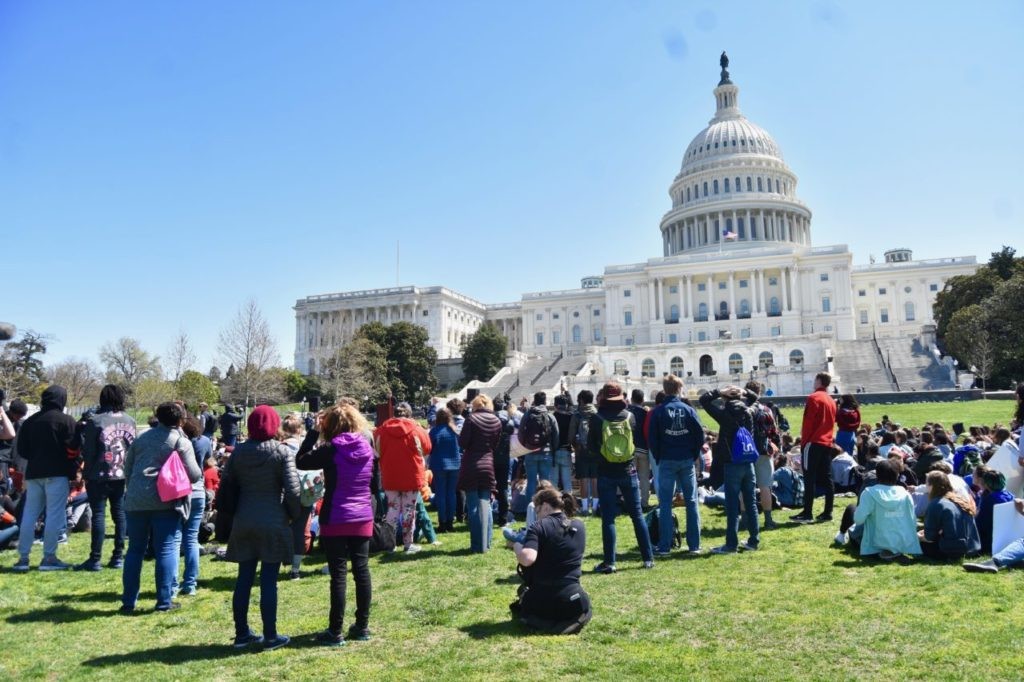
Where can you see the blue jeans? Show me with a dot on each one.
(8, 534)
(481, 520)
(444, 495)
(191, 543)
(1011, 556)
(846, 440)
(164, 527)
(49, 495)
(268, 597)
(99, 492)
(563, 470)
(538, 468)
(608, 488)
(739, 481)
(673, 474)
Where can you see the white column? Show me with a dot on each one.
(764, 293)
(795, 284)
(732, 295)
(661, 299)
(784, 279)
(651, 302)
(711, 298)
(682, 308)
(689, 297)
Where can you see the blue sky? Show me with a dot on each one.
(162, 162)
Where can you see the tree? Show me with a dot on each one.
(410, 360)
(21, 366)
(247, 344)
(194, 388)
(129, 365)
(483, 353)
(1003, 262)
(969, 339)
(214, 374)
(80, 377)
(359, 369)
(151, 391)
(180, 355)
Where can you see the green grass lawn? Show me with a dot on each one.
(798, 608)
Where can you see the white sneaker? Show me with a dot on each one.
(436, 543)
(412, 549)
(841, 538)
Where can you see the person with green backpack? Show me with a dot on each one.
(610, 441)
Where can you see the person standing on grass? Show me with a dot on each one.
(610, 440)
(104, 440)
(445, 459)
(768, 442)
(478, 440)
(150, 519)
(46, 440)
(262, 470)
(203, 449)
(640, 452)
(736, 450)
(229, 428)
(539, 431)
(816, 442)
(346, 515)
(675, 438)
(402, 444)
(586, 463)
(562, 470)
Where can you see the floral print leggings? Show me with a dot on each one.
(402, 503)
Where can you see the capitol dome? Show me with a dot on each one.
(733, 189)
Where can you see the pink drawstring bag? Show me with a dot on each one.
(172, 482)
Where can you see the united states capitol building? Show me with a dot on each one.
(739, 291)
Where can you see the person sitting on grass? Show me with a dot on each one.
(346, 515)
(883, 519)
(513, 536)
(949, 532)
(1008, 557)
(993, 492)
(551, 598)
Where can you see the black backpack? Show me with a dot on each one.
(654, 528)
(535, 430)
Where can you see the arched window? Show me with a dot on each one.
(705, 188)
(749, 184)
(673, 313)
(738, 187)
(647, 368)
(702, 311)
(676, 366)
(908, 309)
(577, 334)
(735, 364)
(796, 358)
(765, 360)
(741, 229)
(715, 186)
(312, 367)
(745, 308)
(773, 306)
(620, 367)
(727, 185)
(723, 309)
(687, 193)
(707, 366)
(760, 188)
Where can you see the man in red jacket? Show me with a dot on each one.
(816, 443)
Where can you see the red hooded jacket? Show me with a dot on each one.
(402, 443)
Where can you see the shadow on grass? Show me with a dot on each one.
(512, 579)
(170, 655)
(58, 613)
(500, 628)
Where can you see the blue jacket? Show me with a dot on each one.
(445, 453)
(676, 432)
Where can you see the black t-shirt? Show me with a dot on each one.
(564, 437)
(559, 550)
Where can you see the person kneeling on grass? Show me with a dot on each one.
(551, 598)
(949, 531)
(883, 521)
(511, 534)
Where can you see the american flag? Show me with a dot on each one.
(728, 235)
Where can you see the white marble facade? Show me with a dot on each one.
(738, 281)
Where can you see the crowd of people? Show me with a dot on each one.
(359, 489)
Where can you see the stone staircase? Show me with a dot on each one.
(914, 366)
(858, 364)
(524, 376)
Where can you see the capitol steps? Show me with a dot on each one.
(858, 365)
(914, 366)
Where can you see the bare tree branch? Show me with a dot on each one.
(80, 377)
(248, 346)
(181, 357)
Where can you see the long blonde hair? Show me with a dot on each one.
(341, 419)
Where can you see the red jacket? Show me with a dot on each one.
(402, 443)
(819, 419)
(848, 420)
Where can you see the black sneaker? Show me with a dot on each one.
(115, 562)
(802, 518)
(276, 643)
(823, 518)
(358, 634)
(982, 567)
(604, 569)
(89, 565)
(326, 638)
(173, 606)
(659, 553)
(245, 640)
(294, 575)
(126, 610)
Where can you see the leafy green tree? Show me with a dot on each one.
(129, 365)
(151, 391)
(483, 353)
(21, 366)
(194, 387)
(969, 338)
(410, 360)
(359, 369)
(1004, 263)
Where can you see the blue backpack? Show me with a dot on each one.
(743, 449)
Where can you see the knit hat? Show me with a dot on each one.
(611, 392)
(994, 480)
(263, 423)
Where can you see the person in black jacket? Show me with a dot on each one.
(614, 478)
(229, 428)
(46, 442)
(730, 408)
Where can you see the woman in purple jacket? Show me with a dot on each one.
(346, 516)
(478, 440)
